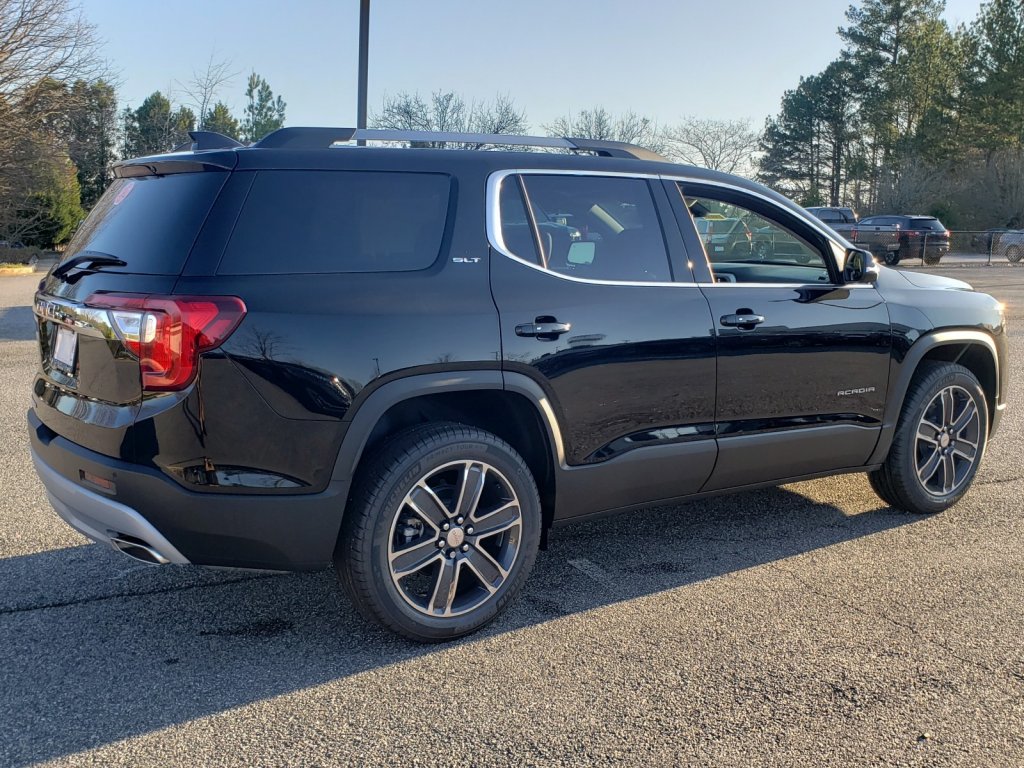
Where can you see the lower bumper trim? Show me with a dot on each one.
(101, 519)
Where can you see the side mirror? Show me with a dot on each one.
(860, 267)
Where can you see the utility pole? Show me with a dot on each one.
(364, 62)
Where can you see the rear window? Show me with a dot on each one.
(933, 224)
(307, 222)
(150, 222)
(830, 217)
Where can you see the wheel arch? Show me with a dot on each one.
(974, 349)
(511, 406)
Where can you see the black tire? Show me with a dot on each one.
(932, 260)
(380, 513)
(1014, 253)
(898, 481)
(892, 258)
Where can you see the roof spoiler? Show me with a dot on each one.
(322, 138)
(207, 140)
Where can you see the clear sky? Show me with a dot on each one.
(662, 59)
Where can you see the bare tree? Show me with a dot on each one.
(599, 123)
(45, 46)
(43, 40)
(205, 85)
(449, 112)
(721, 145)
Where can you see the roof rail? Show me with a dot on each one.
(321, 138)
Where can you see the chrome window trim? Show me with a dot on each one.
(496, 241)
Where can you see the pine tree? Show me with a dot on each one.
(264, 112)
(220, 120)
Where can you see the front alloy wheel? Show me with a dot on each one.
(948, 441)
(939, 442)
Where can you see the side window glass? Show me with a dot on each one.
(516, 229)
(745, 246)
(592, 227)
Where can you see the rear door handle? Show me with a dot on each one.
(741, 321)
(547, 331)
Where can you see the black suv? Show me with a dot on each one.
(920, 237)
(411, 362)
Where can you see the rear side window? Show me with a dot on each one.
(150, 222)
(931, 224)
(308, 222)
(591, 227)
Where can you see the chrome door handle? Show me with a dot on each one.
(546, 331)
(741, 321)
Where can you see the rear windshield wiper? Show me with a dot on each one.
(93, 259)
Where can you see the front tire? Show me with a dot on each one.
(442, 530)
(939, 442)
(1014, 253)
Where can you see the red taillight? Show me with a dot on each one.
(168, 333)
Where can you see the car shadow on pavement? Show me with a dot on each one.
(16, 324)
(95, 648)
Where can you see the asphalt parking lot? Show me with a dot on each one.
(807, 625)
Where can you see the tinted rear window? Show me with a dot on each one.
(150, 221)
(932, 224)
(305, 222)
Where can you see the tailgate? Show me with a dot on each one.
(89, 387)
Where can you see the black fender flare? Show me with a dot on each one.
(899, 385)
(384, 397)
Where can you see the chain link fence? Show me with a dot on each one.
(956, 248)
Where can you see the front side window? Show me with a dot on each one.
(592, 227)
(743, 245)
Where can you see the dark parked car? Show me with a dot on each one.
(413, 362)
(919, 237)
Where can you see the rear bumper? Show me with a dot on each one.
(100, 518)
(266, 531)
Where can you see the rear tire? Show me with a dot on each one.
(1014, 253)
(939, 442)
(892, 258)
(441, 532)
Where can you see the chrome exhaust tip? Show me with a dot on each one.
(137, 549)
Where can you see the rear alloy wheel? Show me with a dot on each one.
(1013, 254)
(892, 258)
(441, 533)
(939, 442)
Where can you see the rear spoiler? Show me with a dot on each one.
(176, 162)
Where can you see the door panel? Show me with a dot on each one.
(803, 360)
(819, 359)
(635, 367)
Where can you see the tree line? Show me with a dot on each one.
(62, 127)
(911, 117)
